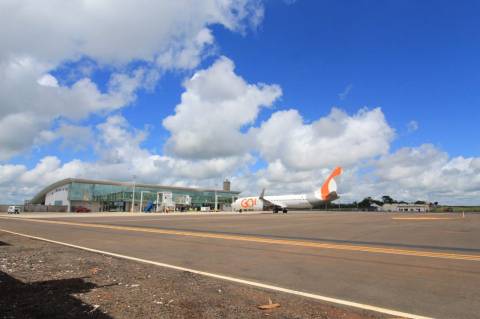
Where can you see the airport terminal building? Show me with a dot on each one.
(76, 194)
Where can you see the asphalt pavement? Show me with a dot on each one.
(427, 264)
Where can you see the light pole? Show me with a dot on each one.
(133, 193)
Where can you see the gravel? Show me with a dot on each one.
(44, 280)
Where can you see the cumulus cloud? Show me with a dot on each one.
(18, 183)
(410, 174)
(32, 99)
(336, 139)
(215, 106)
(74, 137)
(213, 134)
(423, 172)
(118, 142)
(429, 173)
(116, 31)
(214, 119)
(39, 38)
(121, 155)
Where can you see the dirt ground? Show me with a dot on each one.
(44, 280)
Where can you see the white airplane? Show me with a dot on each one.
(316, 199)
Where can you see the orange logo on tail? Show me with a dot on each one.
(325, 187)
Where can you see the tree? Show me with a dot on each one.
(378, 202)
(365, 203)
(388, 200)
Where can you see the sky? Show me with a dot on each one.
(270, 94)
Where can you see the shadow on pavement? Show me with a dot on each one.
(45, 299)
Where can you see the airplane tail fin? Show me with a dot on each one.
(328, 192)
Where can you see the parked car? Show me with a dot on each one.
(13, 210)
(82, 210)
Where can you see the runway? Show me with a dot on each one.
(428, 266)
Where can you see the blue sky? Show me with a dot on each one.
(415, 60)
(418, 60)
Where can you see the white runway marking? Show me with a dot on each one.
(236, 280)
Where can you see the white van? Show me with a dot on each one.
(13, 210)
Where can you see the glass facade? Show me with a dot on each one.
(110, 193)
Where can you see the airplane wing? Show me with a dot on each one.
(274, 203)
(270, 202)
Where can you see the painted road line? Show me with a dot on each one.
(236, 280)
(129, 214)
(263, 240)
(426, 218)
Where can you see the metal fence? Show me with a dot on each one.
(36, 208)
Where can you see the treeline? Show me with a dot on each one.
(369, 203)
(386, 199)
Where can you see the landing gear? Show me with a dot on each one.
(276, 210)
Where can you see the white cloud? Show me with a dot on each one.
(48, 80)
(115, 31)
(426, 172)
(412, 126)
(344, 94)
(186, 55)
(121, 157)
(120, 146)
(337, 139)
(410, 174)
(423, 172)
(278, 179)
(9, 173)
(40, 37)
(32, 99)
(18, 183)
(74, 137)
(215, 106)
(17, 132)
(118, 142)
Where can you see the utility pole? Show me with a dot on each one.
(133, 193)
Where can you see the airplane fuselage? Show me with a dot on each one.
(298, 201)
(294, 201)
(316, 199)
